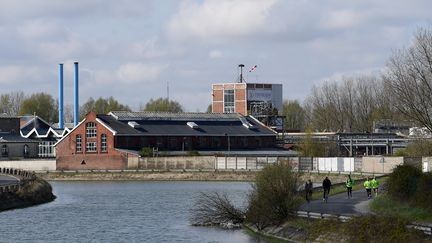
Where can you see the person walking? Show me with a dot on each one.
(308, 190)
(375, 185)
(326, 188)
(349, 184)
(367, 185)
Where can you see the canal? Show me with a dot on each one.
(122, 212)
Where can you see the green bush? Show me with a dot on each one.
(193, 153)
(146, 152)
(274, 196)
(375, 228)
(423, 196)
(402, 183)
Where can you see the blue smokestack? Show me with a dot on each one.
(76, 102)
(61, 122)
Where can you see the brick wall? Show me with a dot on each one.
(69, 159)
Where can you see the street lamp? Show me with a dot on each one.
(229, 145)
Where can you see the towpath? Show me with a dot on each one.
(340, 204)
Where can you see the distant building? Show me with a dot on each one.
(12, 145)
(246, 98)
(37, 129)
(106, 141)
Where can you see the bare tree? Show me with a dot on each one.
(409, 77)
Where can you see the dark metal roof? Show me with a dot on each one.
(188, 116)
(6, 137)
(37, 123)
(178, 127)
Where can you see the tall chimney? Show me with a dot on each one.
(61, 122)
(76, 101)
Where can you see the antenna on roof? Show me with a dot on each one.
(241, 73)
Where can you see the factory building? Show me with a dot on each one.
(12, 145)
(260, 100)
(37, 129)
(106, 141)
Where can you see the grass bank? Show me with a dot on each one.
(384, 205)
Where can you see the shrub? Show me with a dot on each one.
(193, 153)
(146, 152)
(274, 196)
(380, 229)
(423, 195)
(215, 209)
(402, 183)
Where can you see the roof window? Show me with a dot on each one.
(133, 124)
(192, 125)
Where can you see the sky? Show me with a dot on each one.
(134, 49)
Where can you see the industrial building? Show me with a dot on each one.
(261, 100)
(105, 141)
(12, 145)
(353, 144)
(37, 129)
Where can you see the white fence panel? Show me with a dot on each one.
(231, 163)
(348, 164)
(220, 163)
(241, 163)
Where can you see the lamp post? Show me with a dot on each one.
(229, 145)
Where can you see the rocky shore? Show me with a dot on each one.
(30, 192)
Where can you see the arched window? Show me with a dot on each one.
(103, 143)
(78, 147)
(90, 130)
(4, 150)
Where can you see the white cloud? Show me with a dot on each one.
(12, 75)
(215, 54)
(139, 72)
(341, 19)
(215, 20)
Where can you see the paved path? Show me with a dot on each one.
(8, 180)
(340, 204)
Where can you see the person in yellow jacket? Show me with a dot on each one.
(368, 186)
(374, 184)
(349, 184)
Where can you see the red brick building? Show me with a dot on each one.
(106, 141)
(245, 98)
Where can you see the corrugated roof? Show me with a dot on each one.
(144, 115)
(6, 137)
(179, 127)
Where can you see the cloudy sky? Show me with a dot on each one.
(131, 49)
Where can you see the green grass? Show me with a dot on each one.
(386, 206)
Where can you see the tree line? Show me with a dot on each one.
(402, 92)
(45, 106)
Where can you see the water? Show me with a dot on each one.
(121, 212)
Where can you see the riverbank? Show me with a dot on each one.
(180, 175)
(30, 192)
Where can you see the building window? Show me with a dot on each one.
(91, 147)
(4, 150)
(46, 149)
(78, 144)
(103, 143)
(229, 104)
(26, 150)
(90, 130)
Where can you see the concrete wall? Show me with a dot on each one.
(30, 165)
(379, 164)
(177, 162)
